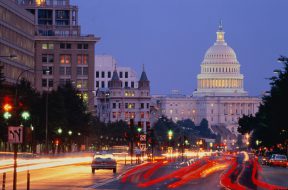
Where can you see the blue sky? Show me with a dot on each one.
(171, 37)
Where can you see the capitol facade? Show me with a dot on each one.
(220, 96)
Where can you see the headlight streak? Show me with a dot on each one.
(34, 164)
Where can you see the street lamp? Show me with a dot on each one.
(59, 131)
(70, 132)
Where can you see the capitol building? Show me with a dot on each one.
(220, 96)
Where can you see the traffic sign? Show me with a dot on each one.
(143, 138)
(15, 134)
(143, 147)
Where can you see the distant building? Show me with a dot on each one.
(220, 97)
(104, 67)
(118, 102)
(16, 42)
(60, 48)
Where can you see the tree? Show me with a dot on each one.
(204, 130)
(269, 125)
(239, 141)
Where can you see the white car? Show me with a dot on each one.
(103, 161)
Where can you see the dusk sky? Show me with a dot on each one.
(171, 37)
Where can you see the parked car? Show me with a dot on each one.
(278, 160)
(103, 161)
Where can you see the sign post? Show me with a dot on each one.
(15, 136)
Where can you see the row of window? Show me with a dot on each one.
(65, 46)
(220, 70)
(81, 71)
(109, 74)
(80, 83)
(65, 59)
(131, 115)
(103, 84)
(130, 105)
(16, 21)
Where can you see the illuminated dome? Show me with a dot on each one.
(220, 71)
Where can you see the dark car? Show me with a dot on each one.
(103, 161)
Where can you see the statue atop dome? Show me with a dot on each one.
(220, 33)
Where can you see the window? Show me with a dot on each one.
(142, 115)
(82, 83)
(85, 71)
(97, 74)
(65, 59)
(109, 74)
(102, 84)
(65, 46)
(142, 105)
(82, 59)
(103, 74)
(132, 84)
(114, 105)
(47, 70)
(65, 70)
(44, 82)
(121, 75)
(126, 75)
(79, 46)
(126, 84)
(47, 46)
(62, 46)
(147, 105)
(47, 58)
(82, 71)
(85, 46)
(50, 82)
(97, 84)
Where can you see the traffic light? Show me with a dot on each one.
(7, 107)
(139, 128)
(170, 134)
(25, 115)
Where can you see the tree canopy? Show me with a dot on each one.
(269, 126)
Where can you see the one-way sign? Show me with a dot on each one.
(15, 134)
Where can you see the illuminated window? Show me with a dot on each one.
(65, 59)
(142, 115)
(82, 59)
(47, 46)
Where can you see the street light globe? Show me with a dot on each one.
(70, 132)
(59, 131)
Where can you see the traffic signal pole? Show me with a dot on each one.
(15, 146)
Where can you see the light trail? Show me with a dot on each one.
(24, 164)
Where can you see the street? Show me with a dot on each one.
(75, 176)
(238, 172)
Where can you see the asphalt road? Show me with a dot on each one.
(274, 175)
(68, 177)
(211, 173)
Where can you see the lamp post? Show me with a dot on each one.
(46, 113)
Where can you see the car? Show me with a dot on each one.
(103, 161)
(265, 160)
(278, 160)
